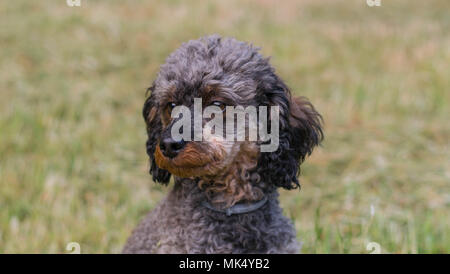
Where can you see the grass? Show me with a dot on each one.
(72, 81)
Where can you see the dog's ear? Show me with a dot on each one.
(300, 131)
(154, 126)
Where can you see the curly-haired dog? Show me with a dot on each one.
(225, 197)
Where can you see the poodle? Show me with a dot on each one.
(225, 193)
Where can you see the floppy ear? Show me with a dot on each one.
(153, 122)
(306, 127)
(300, 131)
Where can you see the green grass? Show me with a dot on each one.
(72, 162)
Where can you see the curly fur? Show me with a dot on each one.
(222, 173)
(180, 224)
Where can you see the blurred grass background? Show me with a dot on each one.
(72, 80)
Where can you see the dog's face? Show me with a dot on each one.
(208, 156)
(225, 73)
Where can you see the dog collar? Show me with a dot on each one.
(237, 208)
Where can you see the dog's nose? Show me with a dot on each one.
(170, 148)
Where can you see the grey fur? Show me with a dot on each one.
(232, 65)
(180, 224)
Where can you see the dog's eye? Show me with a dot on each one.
(219, 104)
(170, 106)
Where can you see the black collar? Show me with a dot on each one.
(237, 208)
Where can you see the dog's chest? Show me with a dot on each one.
(196, 231)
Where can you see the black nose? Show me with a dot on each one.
(170, 148)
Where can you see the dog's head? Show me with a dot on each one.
(226, 73)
